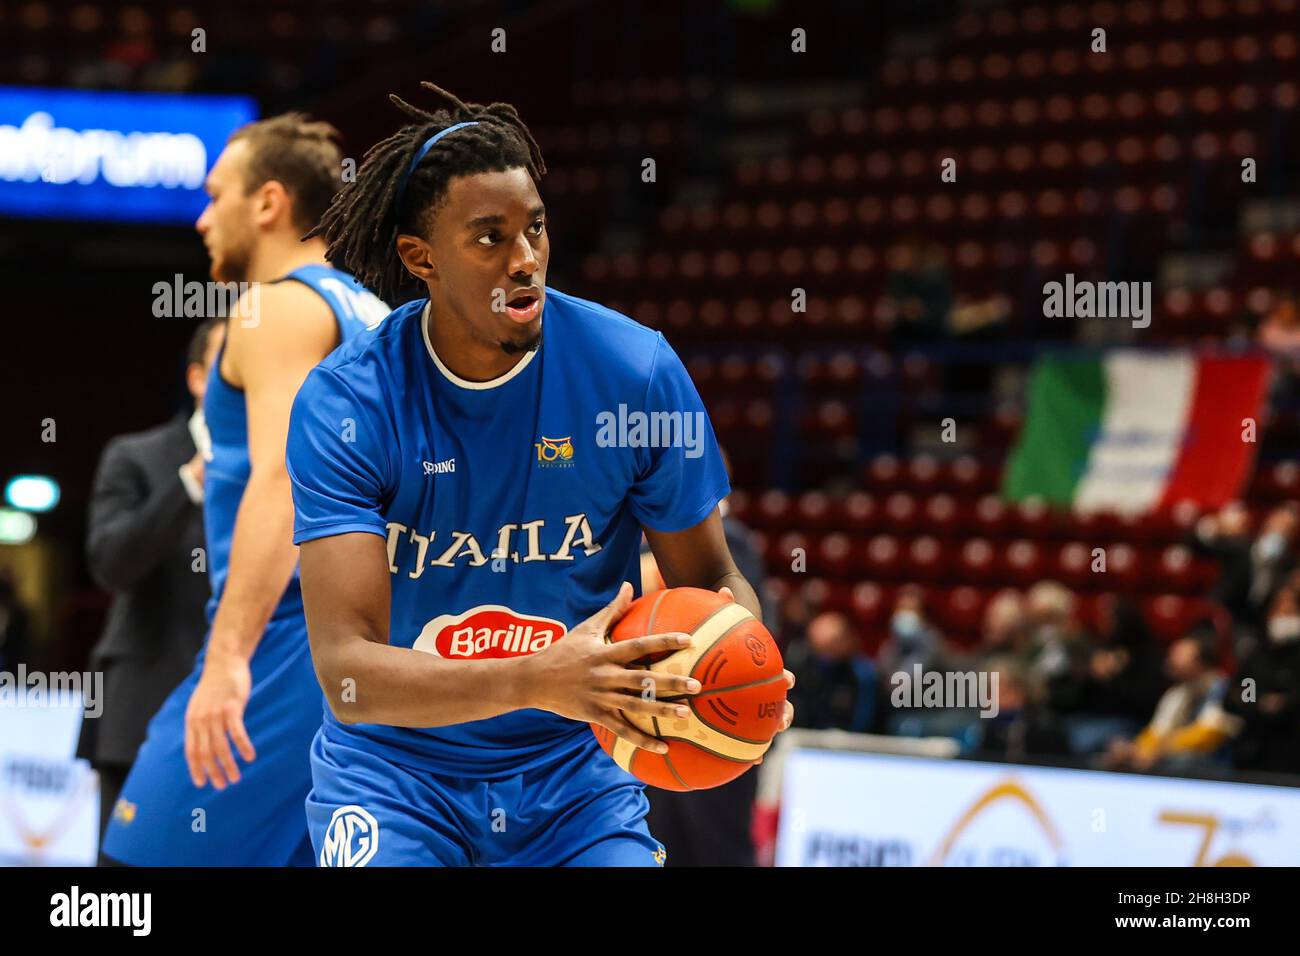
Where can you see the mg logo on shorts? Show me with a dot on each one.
(351, 838)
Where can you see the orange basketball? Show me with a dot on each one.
(742, 691)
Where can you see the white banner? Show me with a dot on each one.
(49, 802)
(856, 809)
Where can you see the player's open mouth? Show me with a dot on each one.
(524, 306)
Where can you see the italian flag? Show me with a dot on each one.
(1136, 431)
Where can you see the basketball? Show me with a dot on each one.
(742, 691)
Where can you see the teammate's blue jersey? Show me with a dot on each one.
(225, 475)
(512, 509)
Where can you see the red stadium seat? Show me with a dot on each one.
(813, 511)
(859, 513)
(1073, 566)
(784, 550)
(992, 517)
(976, 562)
(941, 516)
(883, 559)
(1023, 561)
(901, 514)
(834, 558)
(774, 510)
(925, 560)
(963, 614)
(885, 474)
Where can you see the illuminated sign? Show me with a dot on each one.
(89, 155)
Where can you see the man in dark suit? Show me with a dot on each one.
(145, 544)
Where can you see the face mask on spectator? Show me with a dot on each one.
(1050, 632)
(1271, 545)
(906, 624)
(1284, 628)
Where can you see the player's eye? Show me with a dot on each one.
(538, 226)
(490, 238)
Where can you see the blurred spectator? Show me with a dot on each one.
(913, 640)
(1116, 686)
(1054, 645)
(1265, 693)
(1272, 556)
(795, 615)
(919, 294)
(1002, 630)
(1279, 333)
(1021, 727)
(1225, 537)
(914, 643)
(835, 682)
(1190, 727)
(1249, 572)
(13, 627)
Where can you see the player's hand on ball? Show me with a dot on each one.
(789, 675)
(584, 678)
(216, 709)
(789, 707)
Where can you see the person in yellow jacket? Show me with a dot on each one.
(1189, 725)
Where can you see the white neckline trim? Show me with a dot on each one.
(456, 379)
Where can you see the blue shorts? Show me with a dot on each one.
(579, 809)
(258, 821)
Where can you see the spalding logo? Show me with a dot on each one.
(487, 632)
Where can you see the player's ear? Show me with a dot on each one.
(271, 203)
(417, 256)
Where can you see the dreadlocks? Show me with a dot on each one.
(362, 223)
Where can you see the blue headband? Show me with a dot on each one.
(424, 151)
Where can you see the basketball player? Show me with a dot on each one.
(465, 549)
(188, 799)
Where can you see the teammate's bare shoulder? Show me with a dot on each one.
(278, 318)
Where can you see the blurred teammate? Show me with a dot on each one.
(144, 526)
(465, 555)
(252, 691)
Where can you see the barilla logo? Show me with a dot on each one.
(487, 632)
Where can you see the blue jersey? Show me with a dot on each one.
(511, 509)
(225, 474)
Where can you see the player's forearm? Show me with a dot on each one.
(745, 595)
(366, 682)
(262, 559)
